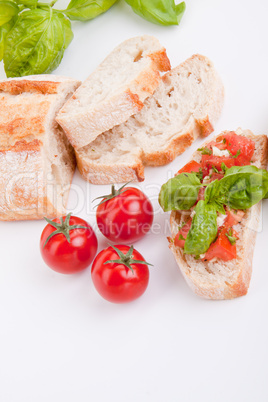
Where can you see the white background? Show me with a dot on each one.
(59, 340)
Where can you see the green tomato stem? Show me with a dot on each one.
(63, 228)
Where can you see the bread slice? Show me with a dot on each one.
(115, 90)
(186, 104)
(219, 279)
(36, 160)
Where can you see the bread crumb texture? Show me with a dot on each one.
(115, 91)
(186, 104)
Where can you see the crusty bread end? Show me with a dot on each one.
(37, 162)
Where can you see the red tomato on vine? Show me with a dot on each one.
(125, 215)
(68, 245)
(120, 274)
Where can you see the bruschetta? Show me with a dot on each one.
(215, 204)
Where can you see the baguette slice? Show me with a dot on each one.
(36, 160)
(219, 279)
(115, 90)
(186, 104)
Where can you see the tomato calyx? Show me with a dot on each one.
(126, 259)
(63, 227)
(114, 193)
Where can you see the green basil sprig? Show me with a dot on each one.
(240, 188)
(163, 12)
(41, 37)
(203, 230)
(34, 35)
(180, 192)
(8, 9)
(84, 10)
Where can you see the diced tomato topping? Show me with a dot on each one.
(191, 166)
(222, 247)
(217, 176)
(219, 145)
(240, 147)
(238, 144)
(183, 232)
(233, 218)
(210, 160)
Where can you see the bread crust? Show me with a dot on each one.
(178, 145)
(16, 87)
(175, 148)
(29, 189)
(240, 284)
(161, 60)
(109, 174)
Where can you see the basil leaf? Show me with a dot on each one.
(214, 197)
(28, 3)
(8, 10)
(242, 169)
(180, 192)
(36, 43)
(84, 10)
(4, 30)
(180, 8)
(163, 12)
(203, 231)
(240, 188)
(66, 25)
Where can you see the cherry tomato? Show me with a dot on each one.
(68, 245)
(120, 274)
(125, 215)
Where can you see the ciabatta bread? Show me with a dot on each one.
(186, 104)
(36, 160)
(115, 90)
(219, 279)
